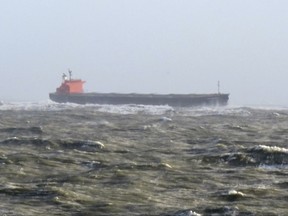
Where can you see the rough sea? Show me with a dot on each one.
(65, 159)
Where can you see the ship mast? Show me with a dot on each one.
(218, 87)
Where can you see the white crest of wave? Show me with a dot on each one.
(134, 109)
(49, 105)
(234, 192)
(213, 110)
(38, 105)
(266, 107)
(46, 105)
(271, 149)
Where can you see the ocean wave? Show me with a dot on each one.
(83, 145)
(260, 155)
(82, 160)
(270, 149)
(48, 105)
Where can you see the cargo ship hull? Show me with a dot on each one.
(71, 91)
(143, 99)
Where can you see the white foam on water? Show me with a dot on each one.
(275, 149)
(48, 105)
(134, 109)
(273, 167)
(266, 107)
(234, 192)
(210, 111)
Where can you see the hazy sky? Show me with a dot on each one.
(146, 46)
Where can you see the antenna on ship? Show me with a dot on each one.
(64, 77)
(70, 74)
(218, 87)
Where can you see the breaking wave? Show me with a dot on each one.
(48, 105)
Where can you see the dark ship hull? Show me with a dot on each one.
(71, 91)
(142, 99)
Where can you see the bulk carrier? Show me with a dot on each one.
(71, 91)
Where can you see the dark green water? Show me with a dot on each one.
(134, 160)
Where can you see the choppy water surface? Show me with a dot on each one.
(140, 160)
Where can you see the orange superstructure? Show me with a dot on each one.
(70, 86)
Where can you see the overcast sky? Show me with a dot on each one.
(146, 46)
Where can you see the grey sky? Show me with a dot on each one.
(147, 46)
